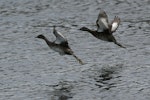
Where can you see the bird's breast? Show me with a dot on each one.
(57, 49)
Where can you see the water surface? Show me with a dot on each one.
(29, 70)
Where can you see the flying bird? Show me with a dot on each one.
(105, 29)
(60, 45)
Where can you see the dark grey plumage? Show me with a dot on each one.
(60, 45)
(104, 29)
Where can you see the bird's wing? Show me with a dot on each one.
(114, 24)
(102, 21)
(59, 37)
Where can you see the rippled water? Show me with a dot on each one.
(29, 70)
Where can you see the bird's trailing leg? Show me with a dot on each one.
(119, 44)
(80, 61)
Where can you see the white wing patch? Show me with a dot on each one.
(115, 23)
(59, 37)
(102, 21)
(114, 26)
(103, 24)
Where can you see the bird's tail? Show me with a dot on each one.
(80, 61)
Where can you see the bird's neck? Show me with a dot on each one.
(91, 31)
(49, 43)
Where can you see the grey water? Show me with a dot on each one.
(29, 70)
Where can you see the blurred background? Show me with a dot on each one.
(30, 70)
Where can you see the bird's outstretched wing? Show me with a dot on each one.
(114, 24)
(59, 37)
(102, 21)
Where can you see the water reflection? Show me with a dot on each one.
(62, 91)
(24, 66)
(105, 77)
